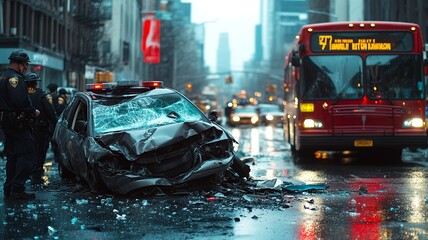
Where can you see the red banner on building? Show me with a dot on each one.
(151, 40)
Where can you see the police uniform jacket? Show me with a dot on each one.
(41, 100)
(13, 94)
(59, 103)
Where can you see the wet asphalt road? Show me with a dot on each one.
(365, 199)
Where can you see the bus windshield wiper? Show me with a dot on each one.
(348, 84)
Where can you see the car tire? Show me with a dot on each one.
(94, 180)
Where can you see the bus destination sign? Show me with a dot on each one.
(361, 41)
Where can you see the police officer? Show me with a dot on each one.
(53, 87)
(53, 92)
(43, 125)
(16, 112)
(61, 102)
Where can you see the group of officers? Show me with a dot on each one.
(28, 116)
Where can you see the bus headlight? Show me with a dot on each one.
(413, 123)
(236, 118)
(310, 123)
(269, 117)
(254, 119)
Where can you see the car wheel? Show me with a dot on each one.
(95, 182)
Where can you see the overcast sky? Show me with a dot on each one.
(237, 17)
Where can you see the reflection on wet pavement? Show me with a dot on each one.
(363, 201)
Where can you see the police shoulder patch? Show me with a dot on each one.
(49, 98)
(60, 100)
(13, 81)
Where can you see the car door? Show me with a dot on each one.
(77, 134)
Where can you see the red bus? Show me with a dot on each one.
(357, 87)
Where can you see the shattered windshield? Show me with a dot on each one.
(331, 77)
(144, 112)
(394, 77)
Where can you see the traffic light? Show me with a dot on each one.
(228, 79)
(188, 87)
(268, 88)
(274, 88)
(271, 88)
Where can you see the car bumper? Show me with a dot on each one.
(351, 142)
(125, 182)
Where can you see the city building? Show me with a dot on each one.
(280, 22)
(414, 11)
(59, 36)
(120, 45)
(181, 46)
(223, 53)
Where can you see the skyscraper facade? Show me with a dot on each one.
(223, 53)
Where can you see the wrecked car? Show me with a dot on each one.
(124, 137)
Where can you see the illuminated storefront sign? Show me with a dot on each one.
(362, 41)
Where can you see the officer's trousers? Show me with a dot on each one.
(41, 139)
(19, 150)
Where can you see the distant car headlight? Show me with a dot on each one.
(207, 107)
(413, 123)
(310, 123)
(236, 118)
(254, 119)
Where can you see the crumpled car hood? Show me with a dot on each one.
(136, 144)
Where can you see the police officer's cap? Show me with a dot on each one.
(30, 77)
(19, 56)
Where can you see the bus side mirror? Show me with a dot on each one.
(295, 61)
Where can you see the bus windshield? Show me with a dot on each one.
(394, 77)
(390, 77)
(331, 77)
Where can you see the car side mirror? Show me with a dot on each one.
(80, 127)
(213, 116)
